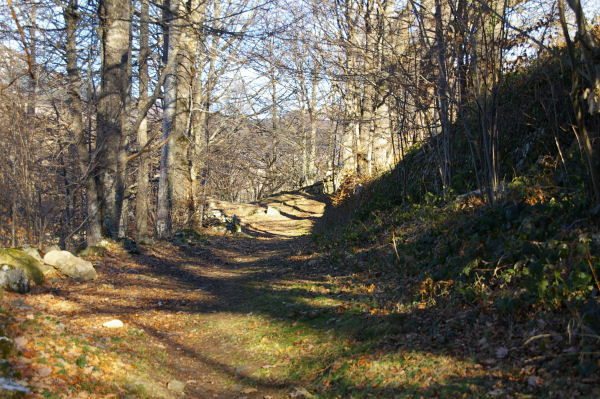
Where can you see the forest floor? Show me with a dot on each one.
(264, 315)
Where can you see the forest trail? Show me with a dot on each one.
(276, 313)
(189, 315)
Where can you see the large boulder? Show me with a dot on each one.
(33, 252)
(71, 265)
(18, 270)
(14, 279)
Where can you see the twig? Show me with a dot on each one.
(593, 271)
(536, 337)
(394, 243)
(20, 29)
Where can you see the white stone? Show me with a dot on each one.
(271, 211)
(115, 323)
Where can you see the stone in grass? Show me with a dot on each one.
(300, 392)
(243, 371)
(115, 323)
(176, 386)
(271, 211)
(71, 265)
(17, 258)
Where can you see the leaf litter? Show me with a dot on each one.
(194, 314)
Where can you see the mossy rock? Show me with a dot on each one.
(92, 251)
(188, 236)
(33, 252)
(6, 348)
(220, 228)
(16, 258)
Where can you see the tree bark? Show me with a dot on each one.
(76, 128)
(115, 20)
(179, 146)
(163, 223)
(143, 184)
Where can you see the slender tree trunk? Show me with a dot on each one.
(143, 186)
(442, 89)
(163, 223)
(126, 126)
(76, 124)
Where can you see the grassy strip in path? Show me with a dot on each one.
(331, 337)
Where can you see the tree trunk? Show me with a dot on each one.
(442, 94)
(163, 223)
(115, 20)
(143, 186)
(178, 158)
(74, 108)
(126, 126)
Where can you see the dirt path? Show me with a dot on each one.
(187, 310)
(269, 315)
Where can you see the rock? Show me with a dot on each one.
(20, 342)
(93, 250)
(10, 389)
(216, 214)
(244, 371)
(17, 259)
(22, 305)
(176, 386)
(33, 252)
(71, 265)
(13, 279)
(115, 323)
(131, 246)
(188, 236)
(534, 381)
(237, 388)
(301, 393)
(271, 211)
(219, 228)
(6, 347)
(497, 392)
(501, 352)
(146, 241)
(51, 248)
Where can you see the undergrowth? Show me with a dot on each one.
(532, 255)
